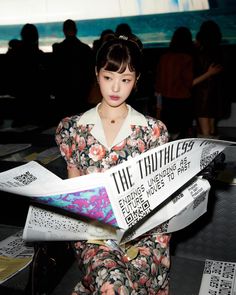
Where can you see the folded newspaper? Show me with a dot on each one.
(130, 198)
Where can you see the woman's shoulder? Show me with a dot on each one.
(69, 122)
(144, 120)
(151, 121)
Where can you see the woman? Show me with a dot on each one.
(99, 139)
(174, 80)
(209, 96)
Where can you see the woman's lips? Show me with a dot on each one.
(114, 97)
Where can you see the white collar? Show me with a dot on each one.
(92, 117)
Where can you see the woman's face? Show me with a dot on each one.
(116, 87)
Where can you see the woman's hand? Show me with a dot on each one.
(214, 69)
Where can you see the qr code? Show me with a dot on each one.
(217, 267)
(225, 287)
(26, 178)
(228, 270)
(141, 211)
(214, 282)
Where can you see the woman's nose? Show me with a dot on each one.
(116, 86)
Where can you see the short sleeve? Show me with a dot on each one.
(65, 139)
(158, 134)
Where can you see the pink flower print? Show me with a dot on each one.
(113, 157)
(89, 254)
(81, 142)
(163, 240)
(96, 152)
(131, 142)
(141, 145)
(153, 269)
(142, 280)
(90, 140)
(145, 251)
(156, 256)
(165, 261)
(107, 289)
(66, 150)
(156, 132)
(109, 263)
(119, 146)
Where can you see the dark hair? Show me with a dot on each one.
(29, 33)
(181, 40)
(69, 26)
(210, 34)
(118, 53)
(123, 29)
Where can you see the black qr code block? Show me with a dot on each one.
(212, 292)
(217, 267)
(26, 178)
(225, 287)
(129, 219)
(214, 282)
(228, 271)
(145, 205)
(207, 267)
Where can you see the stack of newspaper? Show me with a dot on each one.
(218, 278)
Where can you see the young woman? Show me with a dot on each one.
(99, 139)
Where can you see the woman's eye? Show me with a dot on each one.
(107, 77)
(126, 80)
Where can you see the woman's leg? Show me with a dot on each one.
(111, 271)
(204, 126)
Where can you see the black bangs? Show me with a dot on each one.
(118, 59)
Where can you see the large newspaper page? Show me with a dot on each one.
(125, 195)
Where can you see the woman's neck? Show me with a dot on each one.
(113, 114)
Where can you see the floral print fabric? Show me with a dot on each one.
(106, 270)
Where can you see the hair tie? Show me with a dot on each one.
(123, 37)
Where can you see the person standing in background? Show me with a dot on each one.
(28, 77)
(174, 78)
(208, 95)
(175, 82)
(73, 71)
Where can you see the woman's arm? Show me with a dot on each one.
(213, 69)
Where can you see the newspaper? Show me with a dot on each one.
(218, 278)
(183, 209)
(15, 255)
(125, 196)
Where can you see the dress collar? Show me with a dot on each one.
(92, 117)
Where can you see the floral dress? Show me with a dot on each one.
(106, 268)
